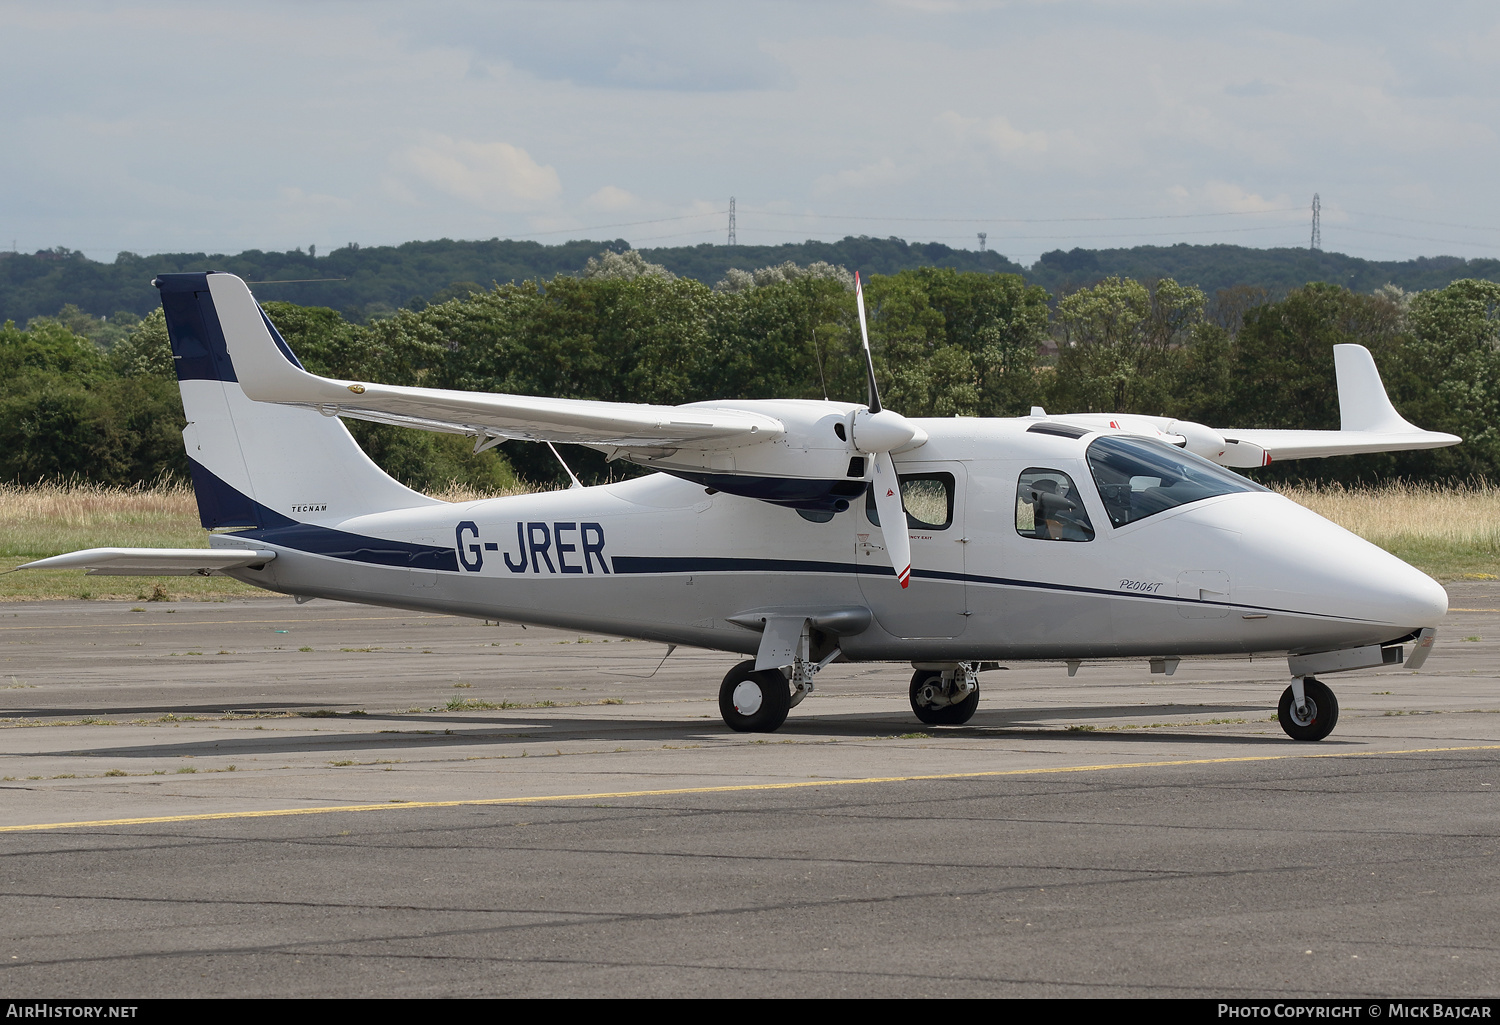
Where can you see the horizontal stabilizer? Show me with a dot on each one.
(1261, 448)
(155, 562)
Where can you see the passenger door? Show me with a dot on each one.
(935, 603)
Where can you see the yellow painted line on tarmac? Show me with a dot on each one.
(1474, 610)
(133, 623)
(742, 788)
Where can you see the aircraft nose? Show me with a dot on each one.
(1348, 577)
(1409, 597)
(1302, 562)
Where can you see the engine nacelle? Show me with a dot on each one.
(885, 431)
(815, 465)
(1201, 441)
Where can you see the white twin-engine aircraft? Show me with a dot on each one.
(770, 532)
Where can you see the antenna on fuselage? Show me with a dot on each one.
(566, 469)
(670, 648)
(818, 352)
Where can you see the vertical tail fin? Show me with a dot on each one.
(1364, 404)
(258, 464)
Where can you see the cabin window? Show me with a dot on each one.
(1049, 508)
(928, 498)
(1139, 477)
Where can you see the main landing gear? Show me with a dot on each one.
(1308, 710)
(758, 702)
(946, 697)
(754, 702)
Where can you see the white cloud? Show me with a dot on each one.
(612, 199)
(295, 198)
(876, 175)
(495, 176)
(1216, 195)
(907, 109)
(1001, 136)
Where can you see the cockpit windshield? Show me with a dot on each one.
(1140, 477)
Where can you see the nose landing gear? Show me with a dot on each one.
(1308, 710)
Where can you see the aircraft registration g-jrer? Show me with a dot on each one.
(801, 532)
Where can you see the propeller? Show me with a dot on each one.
(877, 432)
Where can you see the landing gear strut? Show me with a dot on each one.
(754, 702)
(946, 697)
(1308, 710)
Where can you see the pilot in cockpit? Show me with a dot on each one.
(1058, 511)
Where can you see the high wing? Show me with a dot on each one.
(155, 562)
(268, 372)
(814, 456)
(1367, 423)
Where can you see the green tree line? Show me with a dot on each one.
(370, 282)
(98, 400)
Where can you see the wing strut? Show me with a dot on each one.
(566, 468)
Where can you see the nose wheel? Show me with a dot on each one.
(1314, 717)
(752, 702)
(944, 698)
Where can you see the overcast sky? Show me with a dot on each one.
(201, 126)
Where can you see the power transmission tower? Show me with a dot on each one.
(982, 236)
(1317, 230)
(731, 220)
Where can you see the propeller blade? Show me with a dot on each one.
(864, 332)
(882, 433)
(892, 515)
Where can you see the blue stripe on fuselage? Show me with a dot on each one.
(283, 532)
(628, 564)
(339, 544)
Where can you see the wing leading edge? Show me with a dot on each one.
(267, 375)
(266, 372)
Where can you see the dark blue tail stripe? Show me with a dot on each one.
(198, 346)
(221, 505)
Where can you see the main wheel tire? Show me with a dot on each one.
(752, 702)
(1322, 713)
(955, 714)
